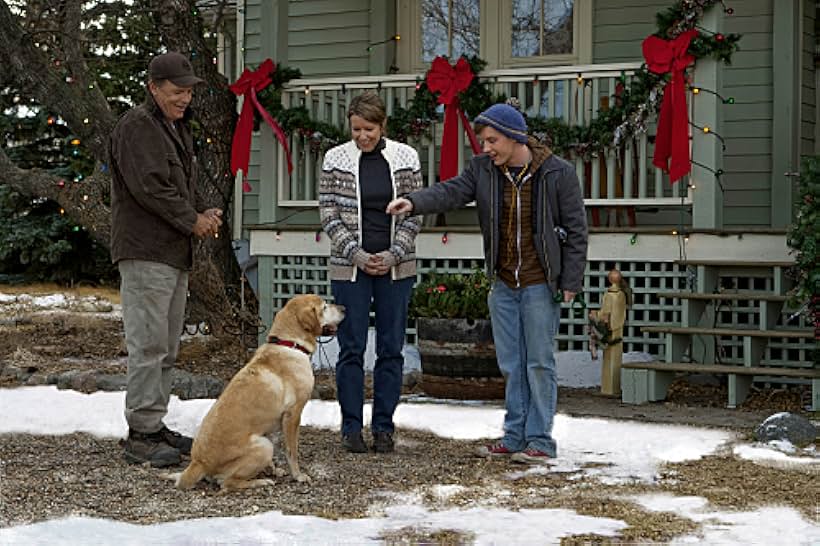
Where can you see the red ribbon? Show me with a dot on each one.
(449, 81)
(247, 85)
(672, 139)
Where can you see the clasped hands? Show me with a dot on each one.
(378, 264)
(208, 223)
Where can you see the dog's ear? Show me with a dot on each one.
(308, 317)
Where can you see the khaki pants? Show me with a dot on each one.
(153, 310)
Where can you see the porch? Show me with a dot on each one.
(620, 182)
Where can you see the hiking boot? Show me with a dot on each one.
(354, 442)
(141, 448)
(175, 439)
(383, 442)
(531, 456)
(494, 450)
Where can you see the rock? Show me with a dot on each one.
(187, 385)
(787, 426)
(36, 379)
(78, 380)
(108, 382)
(93, 305)
(9, 371)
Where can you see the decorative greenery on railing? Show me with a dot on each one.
(804, 240)
(632, 103)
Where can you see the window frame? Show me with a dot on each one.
(495, 46)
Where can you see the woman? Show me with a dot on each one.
(372, 260)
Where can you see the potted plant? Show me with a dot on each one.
(454, 336)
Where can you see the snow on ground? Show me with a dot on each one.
(19, 303)
(773, 525)
(633, 451)
(628, 450)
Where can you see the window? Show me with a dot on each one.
(541, 27)
(450, 27)
(505, 33)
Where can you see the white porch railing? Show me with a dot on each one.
(574, 93)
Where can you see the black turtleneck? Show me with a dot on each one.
(376, 188)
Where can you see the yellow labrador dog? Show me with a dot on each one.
(268, 394)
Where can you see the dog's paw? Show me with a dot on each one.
(278, 472)
(301, 477)
(173, 476)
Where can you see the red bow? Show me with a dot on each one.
(449, 82)
(672, 139)
(247, 85)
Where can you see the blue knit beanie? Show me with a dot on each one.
(506, 120)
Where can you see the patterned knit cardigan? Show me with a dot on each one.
(340, 208)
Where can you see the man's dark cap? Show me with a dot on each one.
(174, 67)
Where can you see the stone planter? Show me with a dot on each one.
(458, 359)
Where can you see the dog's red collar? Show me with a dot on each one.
(276, 341)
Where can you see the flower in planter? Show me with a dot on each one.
(451, 295)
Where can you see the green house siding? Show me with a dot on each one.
(330, 38)
(808, 93)
(618, 27)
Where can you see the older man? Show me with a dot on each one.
(155, 212)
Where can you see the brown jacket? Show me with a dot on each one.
(518, 264)
(154, 201)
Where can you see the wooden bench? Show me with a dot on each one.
(643, 382)
(749, 295)
(678, 338)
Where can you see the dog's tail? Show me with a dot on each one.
(191, 475)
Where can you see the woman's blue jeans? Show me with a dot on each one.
(390, 300)
(525, 321)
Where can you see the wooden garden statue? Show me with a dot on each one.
(606, 328)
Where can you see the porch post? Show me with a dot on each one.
(786, 107)
(707, 197)
(382, 27)
(274, 44)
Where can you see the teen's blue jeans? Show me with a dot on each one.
(390, 300)
(525, 321)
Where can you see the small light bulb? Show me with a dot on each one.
(674, 232)
(706, 129)
(85, 120)
(62, 211)
(696, 90)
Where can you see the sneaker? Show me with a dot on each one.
(140, 448)
(531, 456)
(354, 442)
(175, 439)
(494, 450)
(383, 442)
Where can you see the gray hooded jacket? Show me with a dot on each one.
(557, 200)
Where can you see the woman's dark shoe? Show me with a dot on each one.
(354, 442)
(383, 442)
